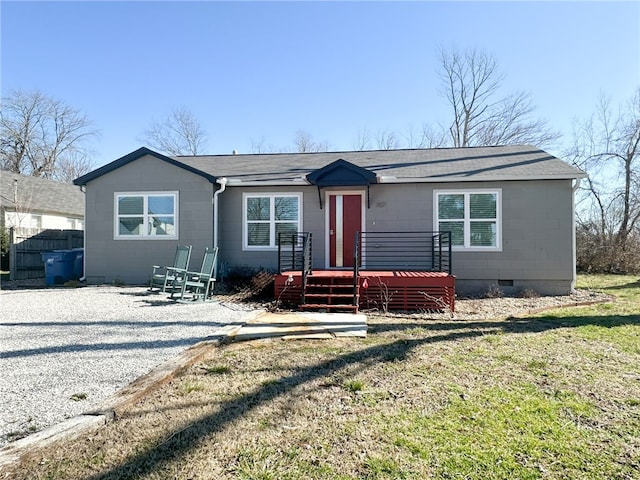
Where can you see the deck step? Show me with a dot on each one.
(329, 295)
(326, 306)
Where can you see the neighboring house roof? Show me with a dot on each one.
(513, 162)
(40, 195)
(141, 152)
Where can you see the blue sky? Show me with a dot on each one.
(252, 70)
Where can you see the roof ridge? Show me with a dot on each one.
(330, 152)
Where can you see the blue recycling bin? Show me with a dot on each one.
(58, 266)
(78, 263)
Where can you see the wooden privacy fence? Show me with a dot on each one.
(27, 244)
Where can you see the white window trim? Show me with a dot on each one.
(467, 221)
(245, 231)
(117, 236)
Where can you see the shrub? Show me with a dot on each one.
(246, 283)
(494, 291)
(597, 253)
(4, 241)
(528, 293)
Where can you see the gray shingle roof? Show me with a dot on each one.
(41, 195)
(132, 157)
(513, 162)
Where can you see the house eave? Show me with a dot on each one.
(266, 183)
(39, 211)
(506, 178)
(141, 152)
(382, 180)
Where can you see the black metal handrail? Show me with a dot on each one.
(414, 251)
(356, 265)
(295, 253)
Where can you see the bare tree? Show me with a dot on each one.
(425, 138)
(260, 145)
(179, 134)
(481, 116)
(607, 146)
(384, 139)
(363, 140)
(38, 133)
(21, 199)
(73, 166)
(387, 140)
(304, 143)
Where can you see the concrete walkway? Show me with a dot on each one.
(298, 325)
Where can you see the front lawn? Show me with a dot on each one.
(553, 396)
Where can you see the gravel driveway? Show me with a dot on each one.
(63, 351)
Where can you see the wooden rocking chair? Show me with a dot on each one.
(162, 278)
(198, 285)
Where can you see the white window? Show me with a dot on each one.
(74, 223)
(265, 215)
(146, 215)
(472, 216)
(35, 221)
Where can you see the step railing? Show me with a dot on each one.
(295, 253)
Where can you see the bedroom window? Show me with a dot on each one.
(146, 215)
(268, 214)
(472, 217)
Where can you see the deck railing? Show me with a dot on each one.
(412, 251)
(426, 251)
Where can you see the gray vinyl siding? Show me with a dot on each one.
(537, 233)
(130, 261)
(234, 258)
(537, 239)
(537, 247)
(400, 208)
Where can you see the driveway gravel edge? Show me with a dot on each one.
(105, 412)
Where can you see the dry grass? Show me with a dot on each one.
(556, 396)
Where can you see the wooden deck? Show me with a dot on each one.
(333, 290)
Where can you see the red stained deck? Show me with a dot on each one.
(380, 290)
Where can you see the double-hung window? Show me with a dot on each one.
(472, 216)
(265, 215)
(146, 215)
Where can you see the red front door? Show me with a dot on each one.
(345, 219)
